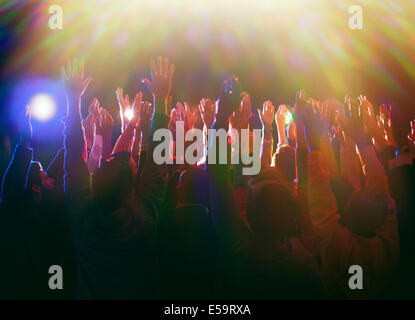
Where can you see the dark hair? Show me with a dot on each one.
(342, 190)
(365, 212)
(285, 162)
(33, 176)
(193, 187)
(272, 211)
(113, 181)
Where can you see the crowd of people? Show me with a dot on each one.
(336, 189)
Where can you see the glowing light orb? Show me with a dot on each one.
(288, 118)
(129, 114)
(43, 107)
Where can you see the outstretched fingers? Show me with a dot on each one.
(171, 72)
(153, 68)
(160, 65)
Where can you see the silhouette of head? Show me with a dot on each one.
(365, 212)
(193, 187)
(272, 211)
(285, 162)
(37, 180)
(342, 190)
(112, 182)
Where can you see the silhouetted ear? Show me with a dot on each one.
(36, 188)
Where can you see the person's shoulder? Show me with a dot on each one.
(305, 262)
(308, 275)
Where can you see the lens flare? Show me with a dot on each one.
(43, 107)
(308, 39)
(129, 114)
(288, 118)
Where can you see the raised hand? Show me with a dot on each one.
(316, 124)
(94, 108)
(207, 110)
(125, 108)
(301, 103)
(145, 116)
(310, 119)
(327, 115)
(332, 107)
(384, 121)
(300, 107)
(369, 119)
(89, 123)
(161, 81)
(175, 116)
(240, 117)
(229, 99)
(74, 81)
(280, 116)
(135, 110)
(291, 134)
(351, 121)
(105, 123)
(267, 115)
(189, 116)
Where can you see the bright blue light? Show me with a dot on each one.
(43, 106)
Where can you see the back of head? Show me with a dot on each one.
(33, 177)
(272, 211)
(193, 187)
(342, 190)
(113, 181)
(192, 228)
(285, 162)
(365, 212)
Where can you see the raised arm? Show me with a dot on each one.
(280, 118)
(308, 235)
(327, 112)
(267, 117)
(14, 180)
(105, 126)
(142, 129)
(239, 121)
(375, 127)
(350, 166)
(76, 171)
(151, 184)
(184, 113)
(160, 84)
(207, 110)
(125, 140)
(55, 169)
(143, 133)
(229, 225)
(96, 148)
(322, 206)
(352, 124)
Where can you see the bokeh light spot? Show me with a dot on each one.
(129, 114)
(43, 107)
(288, 117)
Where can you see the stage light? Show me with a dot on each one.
(288, 118)
(43, 107)
(129, 114)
